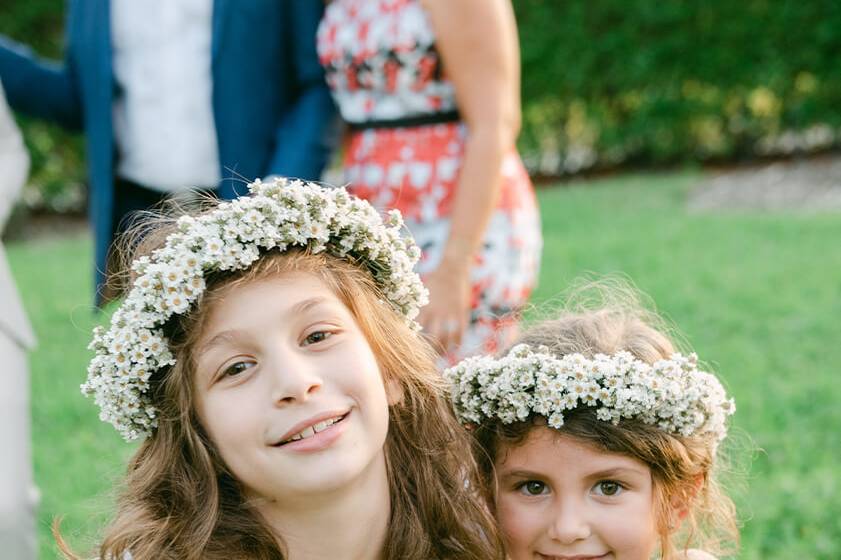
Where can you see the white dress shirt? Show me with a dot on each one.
(163, 115)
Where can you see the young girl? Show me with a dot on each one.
(268, 355)
(596, 440)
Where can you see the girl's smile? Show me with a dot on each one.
(545, 557)
(604, 556)
(314, 434)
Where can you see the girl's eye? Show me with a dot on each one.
(235, 369)
(533, 488)
(608, 488)
(316, 337)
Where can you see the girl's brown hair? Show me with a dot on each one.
(684, 469)
(180, 501)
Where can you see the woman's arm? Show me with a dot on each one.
(477, 41)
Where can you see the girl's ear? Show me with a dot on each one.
(393, 391)
(682, 504)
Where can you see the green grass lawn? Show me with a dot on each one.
(757, 295)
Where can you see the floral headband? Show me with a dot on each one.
(670, 394)
(276, 216)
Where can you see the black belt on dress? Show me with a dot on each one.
(419, 120)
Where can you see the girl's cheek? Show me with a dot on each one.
(520, 524)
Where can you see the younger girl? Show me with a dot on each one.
(596, 440)
(268, 355)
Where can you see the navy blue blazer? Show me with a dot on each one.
(272, 109)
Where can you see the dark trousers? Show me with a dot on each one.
(130, 202)
(130, 199)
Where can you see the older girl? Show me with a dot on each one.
(267, 356)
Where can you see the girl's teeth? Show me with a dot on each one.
(312, 430)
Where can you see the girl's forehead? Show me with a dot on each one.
(267, 278)
(288, 284)
(288, 294)
(551, 449)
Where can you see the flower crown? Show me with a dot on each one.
(276, 216)
(670, 394)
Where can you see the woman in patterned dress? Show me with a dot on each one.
(430, 91)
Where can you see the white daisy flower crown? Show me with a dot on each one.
(670, 394)
(276, 216)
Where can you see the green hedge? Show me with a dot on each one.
(618, 81)
(605, 82)
(56, 183)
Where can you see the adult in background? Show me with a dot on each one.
(17, 492)
(430, 90)
(179, 94)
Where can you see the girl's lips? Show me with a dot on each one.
(318, 441)
(310, 422)
(575, 557)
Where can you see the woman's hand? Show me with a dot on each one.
(447, 315)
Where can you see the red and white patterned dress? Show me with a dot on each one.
(406, 150)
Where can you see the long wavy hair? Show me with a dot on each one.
(685, 470)
(180, 501)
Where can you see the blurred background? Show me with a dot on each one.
(606, 85)
(691, 146)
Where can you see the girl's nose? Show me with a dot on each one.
(569, 522)
(294, 379)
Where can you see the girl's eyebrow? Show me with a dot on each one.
(218, 339)
(229, 335)
(521, 473)
(303, 306)
(617, 472)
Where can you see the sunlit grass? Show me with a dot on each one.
(756, 295)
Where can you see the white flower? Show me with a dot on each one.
(672, 394)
